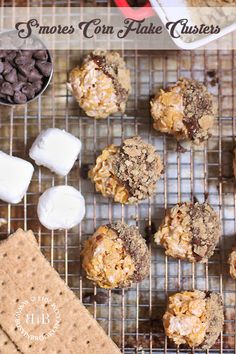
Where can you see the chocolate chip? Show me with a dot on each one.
(41, 55)
(101, 297)
(211, 73)
(195, 199)
(22, 78)
(11, 54)
(37, 85)
(150, 230)
(2, 53)
(7, 68)
(7, 89)
(18, 85)
(19, 97)
(25, 60)
(9, 99)
(1, 66)
(24, 70)
(31, 63)
(28, 91)
(44, 67)
(84, 170)
(11, 77)
(2, 96)
(34, 75)
(13, 64)
(180, 148)
(27, 53)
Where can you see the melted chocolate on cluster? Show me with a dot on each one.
(197, 103)
(108, 69)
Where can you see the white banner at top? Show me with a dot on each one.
(112, 28)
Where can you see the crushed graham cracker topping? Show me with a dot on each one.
(198, 109)
(215, 319)
(138, 166)
(189, 231)
(127, 173)
(136, 247)
(116, 256)
(194, 318)
(205, 227)
(185, 111)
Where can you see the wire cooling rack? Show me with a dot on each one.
(133, 317)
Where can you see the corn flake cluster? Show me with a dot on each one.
(189, 231)
(101, 85)
(185, 111)
(194, 318)
(106, 261)
(128, 173)
(185, 320)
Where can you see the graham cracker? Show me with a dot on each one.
(26, 275)
(6, 345)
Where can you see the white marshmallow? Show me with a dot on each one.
(56, 149)
(61, 207)
(15, 177)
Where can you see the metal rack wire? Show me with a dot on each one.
(133, 317)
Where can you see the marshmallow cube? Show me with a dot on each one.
(61, 207)
(15, 177)
(56, 149)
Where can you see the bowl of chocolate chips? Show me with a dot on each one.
(24, 74)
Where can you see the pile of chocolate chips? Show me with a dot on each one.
(23, 74)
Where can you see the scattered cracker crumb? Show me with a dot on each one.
(136, 246)
(138, 166)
